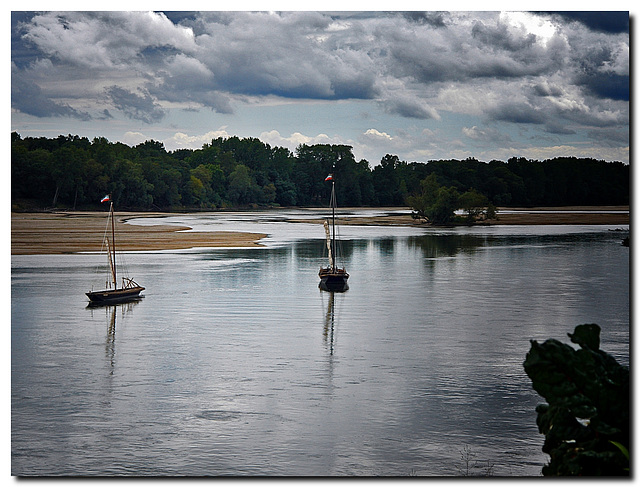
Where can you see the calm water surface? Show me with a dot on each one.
(235, 363)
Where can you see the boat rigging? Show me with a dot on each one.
(332, 277)
(130, 289)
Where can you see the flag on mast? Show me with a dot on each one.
(329, 177)
(106, 198)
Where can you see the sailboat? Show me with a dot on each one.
(332, 277)
(130, 289)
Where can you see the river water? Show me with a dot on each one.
(235, 364)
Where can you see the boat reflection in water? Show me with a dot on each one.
(334, 284)
(329, 323)
(111, 311)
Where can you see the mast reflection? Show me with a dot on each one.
(329, 323)
(110, 315)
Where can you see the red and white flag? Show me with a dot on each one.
(106, 198)
(329, 177)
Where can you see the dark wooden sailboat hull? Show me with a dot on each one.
(333, 280)
(111, 296)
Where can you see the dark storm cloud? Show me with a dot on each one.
(407, 107)
(21, 53)
(138, 107)
(434, 19)
(544, 89)
(603, 21)
(558, 128)
(595, 74)
(517, 113)
(27, 97)
(482, 49)
(607, 85)
(499, 37)
(287, 55)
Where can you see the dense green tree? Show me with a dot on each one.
(436, 204)
(474, 204)
(286, 192)
(447, 202)
(422, 202)
(71, 171)
(243, 189)
(67, 172)
(30, 173)
(313, 164)
(386, 181)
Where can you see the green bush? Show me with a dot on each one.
(586, 420)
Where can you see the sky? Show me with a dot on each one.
(420, 85)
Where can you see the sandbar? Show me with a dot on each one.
(69, 232)
(569, 215)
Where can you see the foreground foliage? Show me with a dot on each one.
(586, 420)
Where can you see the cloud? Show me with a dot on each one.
(607, 85)
(410, 108)
(473, 132)
(291, 55)
(212, 56)
(516, 112)
(434, 19)
(610, 137)
(105, 40)
(180, 140)
(402, 141)
(291, 142)
(138, 107)
(134, 138)
(377, 135)
(562, 74)
(28, 97)
(602, 21)
(487, 136)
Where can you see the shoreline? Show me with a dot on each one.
(67, 232)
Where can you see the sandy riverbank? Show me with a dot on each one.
(66, 232)
(57, 233)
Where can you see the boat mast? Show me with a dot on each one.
(333, 216)
(110, 262)
(113, 245)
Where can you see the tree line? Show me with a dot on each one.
(74, 172)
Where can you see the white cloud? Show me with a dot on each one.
(541, 27)
(180, 140)
(377, 135)
(134, 138)
(473, 132)
(274, 139)
(109, 40)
